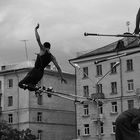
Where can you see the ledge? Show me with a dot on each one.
(113, 113)
(86, 135)
(85, 116)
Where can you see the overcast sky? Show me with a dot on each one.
(63, 23)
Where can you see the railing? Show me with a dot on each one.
(98, 95)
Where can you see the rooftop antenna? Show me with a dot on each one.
(26, 52)
(127, 24)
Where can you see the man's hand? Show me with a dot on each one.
(63, 80)
(37, 26)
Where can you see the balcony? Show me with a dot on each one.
(96, 118)
(97, 95)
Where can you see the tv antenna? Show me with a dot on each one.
(26, 52)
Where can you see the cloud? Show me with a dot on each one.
(63, 23)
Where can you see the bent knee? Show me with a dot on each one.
(20, 84)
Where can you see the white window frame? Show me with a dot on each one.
(10, 83)
(40, 100)
(113, 69)
(0, 85)
(86, 91)
(10, 118)
(113, 127)
(99, 70)
(130, 104)
(39, 135)
(130, 84)
(99, 88)
(100, 108)
(86, 109)
(113, 87)
(102, 128)
(10, 100)
(114, 107)
(86, 129)
(129, 64)
(39, 116)
(85, 72)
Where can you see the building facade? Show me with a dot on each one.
(111, 76)
(51, 118)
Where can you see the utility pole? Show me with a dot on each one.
(26, 52)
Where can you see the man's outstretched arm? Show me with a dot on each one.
(38, 37)
(59, 69)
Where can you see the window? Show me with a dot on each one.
(130, 84)
(99, 88)
(10, 83)
(3, 67)
(0, 85)
(78, 132)
(86, 128)
(113, 127)
(86, 110)
(10, 118)
(85, 72)
(40, 100)
(113, 87)
(113, 69)
(10, 100)
(129, 64)
(86, 91)
(39, 135)
(114, 107)
(101, 128)
(130, 104)
(39, 117)
(100, 108)
(99, 70)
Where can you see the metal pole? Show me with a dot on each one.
(112, 35)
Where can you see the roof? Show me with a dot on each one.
(26, 65)
(21, 65)
(129, 43)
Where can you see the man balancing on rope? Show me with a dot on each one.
(43, 59)
(127, 125)
(137, 28)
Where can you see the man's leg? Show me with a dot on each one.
(31, 79)
(24, 82)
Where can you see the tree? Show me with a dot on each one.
(8, 133)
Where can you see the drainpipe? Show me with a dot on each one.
(17, 98)
(75, 99)
(121, 84)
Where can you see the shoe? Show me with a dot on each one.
(24, 86)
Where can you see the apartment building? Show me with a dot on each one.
(111, 74)
(51, 118)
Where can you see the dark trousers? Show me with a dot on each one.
(125, 130)
(32, 78)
